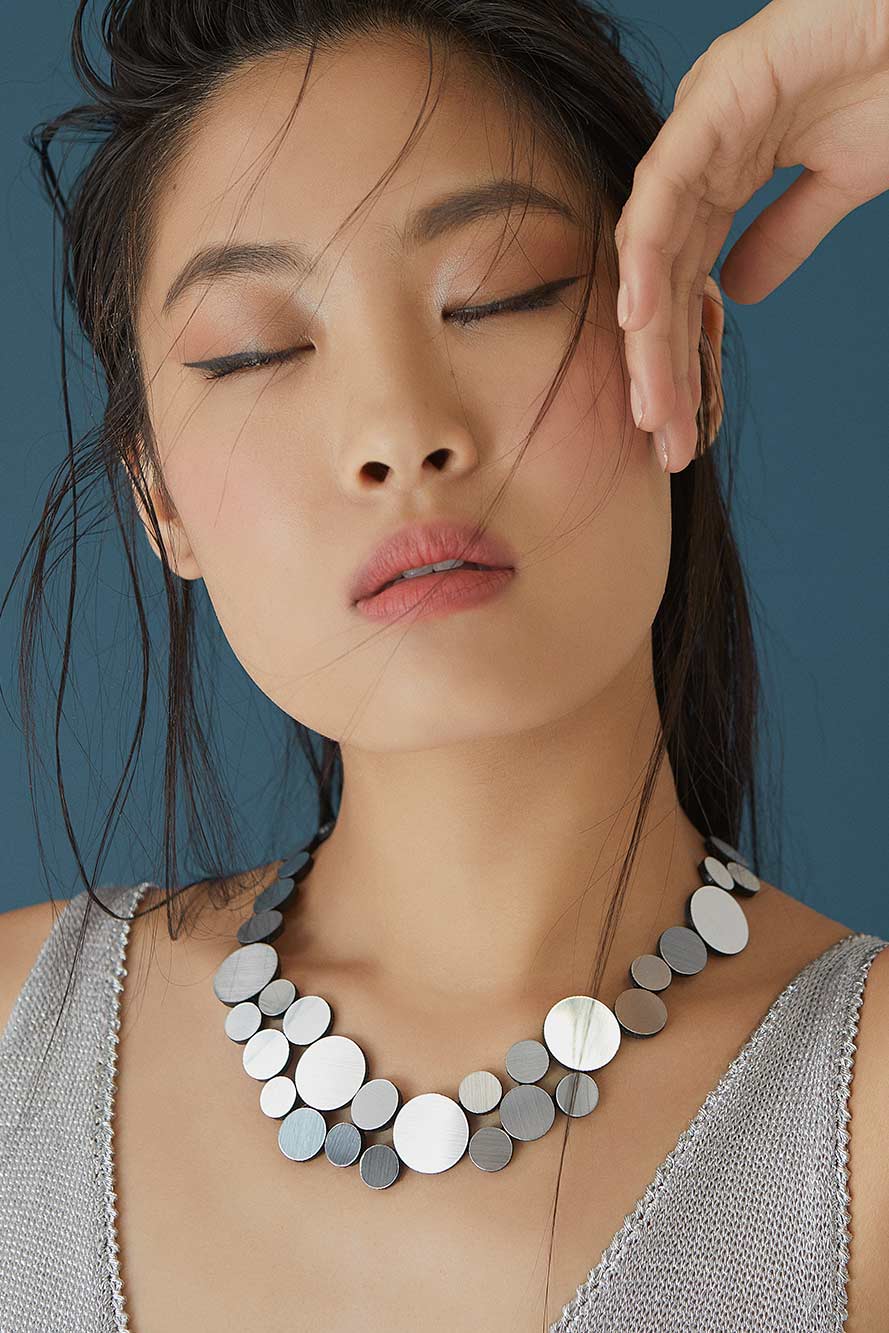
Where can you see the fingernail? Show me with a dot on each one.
(659, 439)
(637, 402)
(624, 305)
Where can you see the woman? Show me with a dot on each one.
(350, 271)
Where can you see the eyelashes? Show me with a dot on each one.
(538, 299)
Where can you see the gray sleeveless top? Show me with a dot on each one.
(744, 1228)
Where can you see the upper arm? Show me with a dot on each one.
(22, 933)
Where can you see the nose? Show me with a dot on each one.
(403, 451)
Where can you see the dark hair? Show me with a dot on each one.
(561, 67)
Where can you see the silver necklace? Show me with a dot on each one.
(431, 1132)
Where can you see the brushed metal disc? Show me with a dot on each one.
(379, 1166)
(330, 1072)
(713, 871)
(302, 1134)
(261, 926)
(581, 1032)
(527, 1061)
(719, 919)
(296, 867)
(343, 1144)
(724, 850)
(242, 975)
(278, 1096)
(683, 949)
(278, 894)
(527, 1112)
(640, 1012)
(577, 1094)
(430, 1133)
(743, 877)
(242, 1021)
(307, 1019)
(480, 1092)
(374, 1104)
(490, 1148)
(651, 972)
(266, 1053)
(276, 997)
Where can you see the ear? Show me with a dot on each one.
(180, 555)
(713, 325)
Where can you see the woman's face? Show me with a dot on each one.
(286, 477)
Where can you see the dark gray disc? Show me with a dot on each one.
(480, 1092)
(242, 1021)
(307, 1019)
(242, 975)
(714, 871)
(683, 949)
(296, 867)
(276, 997)
(278, 894)
(724, 850)
(302, 1134)
(266, 1053)
(343, 1144)
(430, 1133)
(261, 926)
(330, 1072)
(651, 972)
(374, 1104)
(743, 877)
(577, 1094)
(581, 1032)
(527, 1112)
(719, 919)
(278, 1096)
(379, 1166)
(527, 1061)
(490, 1148)
(640, 1012)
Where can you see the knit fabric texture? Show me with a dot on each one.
(744, 1228)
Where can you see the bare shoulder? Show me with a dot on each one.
(22, 934)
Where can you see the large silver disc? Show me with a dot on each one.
(379, 1166)
(527, 1112)
(242, 975)
(581, 1032)
(719, 919)
(490, 1148)
(577, 1094)
(266, 1053)
(329, 1072)
(430, 1133)
(683, 949)
(307, 1019)
(278, 1096)
(242, 1021)
(527, 1061)
(480, 1092)
(302, 1134)
(374, 1104)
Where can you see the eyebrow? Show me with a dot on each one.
(452, 211)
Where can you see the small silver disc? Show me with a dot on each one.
(577, 1094)
(581, 1032)
(343, 1144)
(490, 1148)
(278, 894)
(330, 1072)
(481, 1092)
(242, 1021)
(640, 1012)
(430, 1133)
(379, 1166)
(278, 1096)
(296, 867)
(261, 926)
(276, 997)
(713, 871)
(527, 1061)
(651, 972)
(302, 1134)
(683, 949)
(266, 1053)
(724, 850)
(307, 1019)
(719, 919)
(374, 1104)
(242, 975)
(743, 877)
(527, 1112)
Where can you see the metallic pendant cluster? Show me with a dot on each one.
(431, 1132)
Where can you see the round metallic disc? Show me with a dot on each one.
(651, 972)
(640, 1012)
(330, 1072)
(713, 871)
(430, 1133)
(242, 1021)
(343, 1144)
(266, 1053)
(379, 1166)
(307, 1019)
(577, 1094)
(296, 867)
(261, 926)
(276, 997)
(527, 1061)
(242, 975)
(481, 1091)
(490, 1148)
(743, 877)
(527, 1112)
(374, 1104)
(278, 1096)
(719, 919)
(302, 1134)
(683, 949)
(581, 1032)
(278, 894)
(724, 850)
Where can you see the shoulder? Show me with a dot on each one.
(22, 934)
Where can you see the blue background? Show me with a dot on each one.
(809, 511)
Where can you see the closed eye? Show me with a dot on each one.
(537, 299)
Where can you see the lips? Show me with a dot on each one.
(426, 544)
